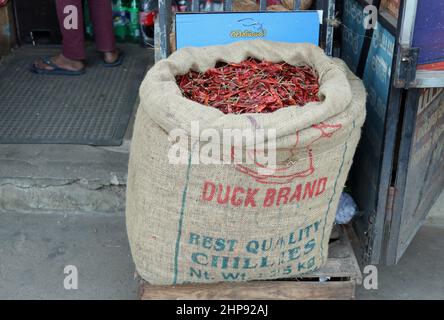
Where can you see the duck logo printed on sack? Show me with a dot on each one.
(288, 171)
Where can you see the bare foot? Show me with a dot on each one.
(111, 56)
(62, 62)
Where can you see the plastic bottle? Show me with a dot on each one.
(134, 28)
(181, 5)
(120, 20)
(88, 25)
(148, 12)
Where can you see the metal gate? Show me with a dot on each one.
(398, 167)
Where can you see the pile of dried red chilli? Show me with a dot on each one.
(251, 86)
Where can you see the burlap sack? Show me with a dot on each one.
(289, 4)
(277, 7)
(183, 228)
(245, 6)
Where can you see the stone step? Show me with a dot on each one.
(63, 179)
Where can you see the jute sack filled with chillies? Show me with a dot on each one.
(190, 221)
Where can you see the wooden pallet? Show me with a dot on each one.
(336, 280)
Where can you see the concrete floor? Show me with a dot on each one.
(35, 248)
(419, 274)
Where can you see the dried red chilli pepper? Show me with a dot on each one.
(251, 86)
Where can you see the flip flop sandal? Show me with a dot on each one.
(59, 71)
(116, 63)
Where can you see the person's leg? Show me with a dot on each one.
(102, 20)
(73, 51)
(73, 39)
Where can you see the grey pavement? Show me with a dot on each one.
(35, 249)
(420, 272)
(418, 275)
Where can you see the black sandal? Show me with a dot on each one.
(59, 71)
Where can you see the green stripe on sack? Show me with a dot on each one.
(182, 211)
